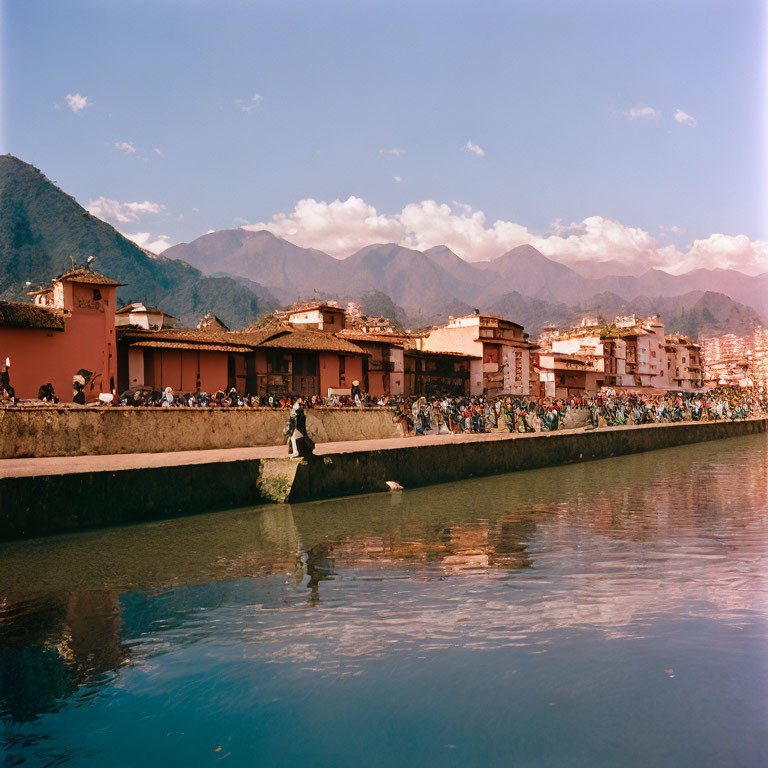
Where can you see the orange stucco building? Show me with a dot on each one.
(70, 326)
(274, 361)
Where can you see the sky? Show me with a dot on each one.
(626, 130)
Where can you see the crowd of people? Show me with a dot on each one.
(451, 414)
(607, 408)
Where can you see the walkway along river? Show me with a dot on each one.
(47, 495)
(607, 613)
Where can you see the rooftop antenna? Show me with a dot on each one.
(72, 259)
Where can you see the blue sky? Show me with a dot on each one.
(571, 103)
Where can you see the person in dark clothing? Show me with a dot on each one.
(5, 375)
(46, 393)
(299, 443)
(78, 389)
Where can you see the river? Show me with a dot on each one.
(612, 613)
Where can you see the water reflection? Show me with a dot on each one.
(516, 562)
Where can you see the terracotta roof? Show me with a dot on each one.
(173, 334)
(374, 338)
(20, 314)
(84, 275)
(160, 344)
(257, 338)
(39, 291)
(187, 336)
(313, 341)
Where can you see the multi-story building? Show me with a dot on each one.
(629, 353)
(499, 352)
(684, 371)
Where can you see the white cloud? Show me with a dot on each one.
(727, 252)
(158, 152)
(145, 240)
(398, 179)
(251, 103)
(685, 119)
(126, 147)
(392, 152)
(116, 212)
(76, 102)
(474, 149)
(644, 113)
(342, 227)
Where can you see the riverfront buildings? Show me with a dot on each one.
(499, 350)
(322, 348)
(629, 353)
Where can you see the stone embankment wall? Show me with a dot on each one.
(49, 503)
(40, 432)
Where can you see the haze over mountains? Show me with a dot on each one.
(241, 275)
(522, 284)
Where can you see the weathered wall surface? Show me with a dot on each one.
(41, 432)
(39, 505)
(350, 473)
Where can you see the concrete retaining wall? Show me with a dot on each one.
(41, 432)
(33, 506)
(355, 472)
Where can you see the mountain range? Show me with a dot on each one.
(427, 286)
(241, 275)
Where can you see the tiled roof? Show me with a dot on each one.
(313, 341)
(173, 334)
(83, 275)
(20, 314)
(360, 337)
(160, 344)
(186, 336)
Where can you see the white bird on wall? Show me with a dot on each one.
(393, 485)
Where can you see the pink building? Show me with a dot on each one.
(70, 326)
(499, 350)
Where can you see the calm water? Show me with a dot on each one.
(613, 613)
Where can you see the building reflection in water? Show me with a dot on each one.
(51, 645)
(632, 534)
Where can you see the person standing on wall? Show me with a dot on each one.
(356, 394)
(5, 373)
